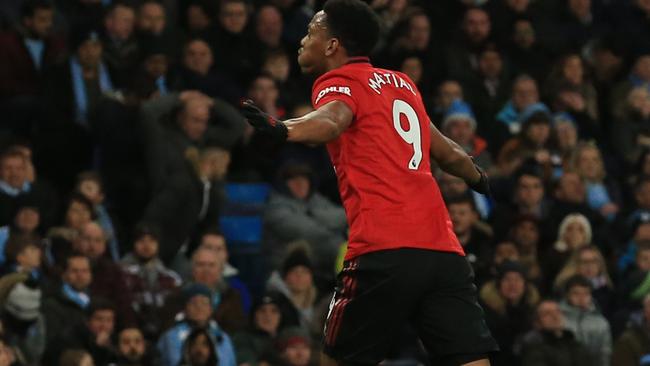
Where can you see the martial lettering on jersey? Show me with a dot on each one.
(377, 81)
(333, 89)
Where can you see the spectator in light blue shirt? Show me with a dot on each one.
(197, 314)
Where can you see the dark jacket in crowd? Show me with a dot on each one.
(150, 285)
(61, 314)
(632, 346)
(546, 349)
(508, 323)
(176, 210)
(18, 74)
(78, 337)
(109, 283)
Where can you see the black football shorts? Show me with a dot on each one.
(378, 292)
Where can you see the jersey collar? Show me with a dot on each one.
(358, 59)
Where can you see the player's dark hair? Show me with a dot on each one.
(29, 7)
(354, 23)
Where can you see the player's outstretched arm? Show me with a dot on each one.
(322, 125)
(317, 127)
(454, 160)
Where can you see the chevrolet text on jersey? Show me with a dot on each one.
(333, 89)
(377, 80)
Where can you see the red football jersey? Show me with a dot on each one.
(382, 162)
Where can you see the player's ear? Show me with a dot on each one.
(333, 45)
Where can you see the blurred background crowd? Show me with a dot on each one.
(143, 222)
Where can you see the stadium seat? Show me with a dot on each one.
(246, 199)
(242, 230)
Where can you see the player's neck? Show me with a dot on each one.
(342, 60)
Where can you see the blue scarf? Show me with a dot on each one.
(161, 85)
(4, 236)
(35, 48)
(79, 298)
(107, 224)
(510, 117)
(79, 87)
(14, 192)
(638, 82)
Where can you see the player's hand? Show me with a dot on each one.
(263, 122)
(481, 186)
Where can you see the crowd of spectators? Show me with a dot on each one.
(119, 130)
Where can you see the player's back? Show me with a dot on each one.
(382, 162)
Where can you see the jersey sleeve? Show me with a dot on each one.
(335, 87)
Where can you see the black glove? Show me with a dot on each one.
(264, 122)
(481, 186)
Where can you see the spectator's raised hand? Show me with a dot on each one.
(573, 100)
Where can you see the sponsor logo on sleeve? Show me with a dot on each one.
(333, 89)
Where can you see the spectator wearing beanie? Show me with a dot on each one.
(197, 313)
(509, 301)
(294, 348)
(295, 280)
(270, 315)
(459, 124)
(574, 233)
(586, 321)
(22, 320)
